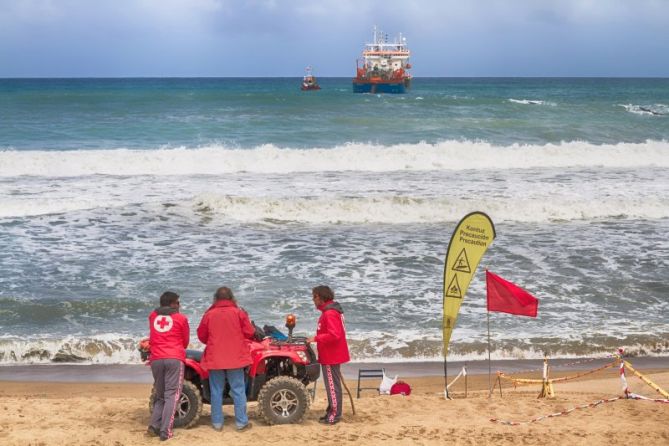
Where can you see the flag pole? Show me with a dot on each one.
(489, 365)
(446, 395)
(487, 311)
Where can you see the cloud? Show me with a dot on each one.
(279, 37)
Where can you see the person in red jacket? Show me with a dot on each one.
(330, 340)
(225, 330)
(169, 335)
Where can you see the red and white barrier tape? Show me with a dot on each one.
(517, 381)
(626, 391)
(634, 396)
(623, 379)
(557, 366)
(556, 414)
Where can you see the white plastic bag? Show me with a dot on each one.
(386, 383)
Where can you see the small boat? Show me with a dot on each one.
(309, 81)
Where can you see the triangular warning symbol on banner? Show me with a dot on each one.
(462, 263)
(453, 289)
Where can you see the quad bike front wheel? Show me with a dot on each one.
(189, 406)
(283, 400)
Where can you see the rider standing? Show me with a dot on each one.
(330, 340)
(169, 335)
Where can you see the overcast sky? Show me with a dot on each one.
(81, 38)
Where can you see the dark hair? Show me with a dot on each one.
(324, 292)
(224, 293)
(168, 298)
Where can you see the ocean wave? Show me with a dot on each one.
(386, 209)
(648, 110)
(25, 208)
(99, 349)
(410, 345)
(404, 210)
(365, 347)
(531, 102)
(216, 160)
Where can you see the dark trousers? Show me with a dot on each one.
(168, 377)
(332, 380)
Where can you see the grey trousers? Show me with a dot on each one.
(332, 381)
(168, 376)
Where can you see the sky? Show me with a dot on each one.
(185, 38)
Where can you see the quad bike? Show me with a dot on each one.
(277, 379)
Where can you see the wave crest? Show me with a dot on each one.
(446, 155)
(531, 102)
(101, 349)
(404, 210)
(648, 110)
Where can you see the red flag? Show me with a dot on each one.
(506, 297)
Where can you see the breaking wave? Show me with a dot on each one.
(404, 210)
(376, 209)
(648, 110)
(446, 155)
(101, 349)
(119, 349)
(531, 102)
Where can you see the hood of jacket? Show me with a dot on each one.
(331, 306)
(222, 304)
(163, 311)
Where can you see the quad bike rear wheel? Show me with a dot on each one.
(283, 400)
(189, 406)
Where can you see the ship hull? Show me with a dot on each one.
(381, 87)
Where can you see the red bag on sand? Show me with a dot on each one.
(400, 388)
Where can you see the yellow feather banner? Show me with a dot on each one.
(470, 240)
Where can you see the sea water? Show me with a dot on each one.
(115, 190)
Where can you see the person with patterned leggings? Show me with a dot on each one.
(332, 347)
(169, 335)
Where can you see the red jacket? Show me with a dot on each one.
(225, 329)
(331, 335)
(169, 334)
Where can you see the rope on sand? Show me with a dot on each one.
(556, 366)
(554, 380)
(556, 414)
(645, 379)
(631, 396)
(627, 393)
(634, 396)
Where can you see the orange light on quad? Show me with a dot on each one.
(291, 320)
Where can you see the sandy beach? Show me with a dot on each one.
(96, 413)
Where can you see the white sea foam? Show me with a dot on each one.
(402, 345)
(647, 110)
(15, 207)
(99, 349)
(403, 210)
(531, 102)
(446, 155)
(392, 198)
(384, 209)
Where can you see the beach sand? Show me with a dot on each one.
(39, 413)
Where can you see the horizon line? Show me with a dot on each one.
(329, 77)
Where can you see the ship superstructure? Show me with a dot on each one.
(309, 81)
(384, 66)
